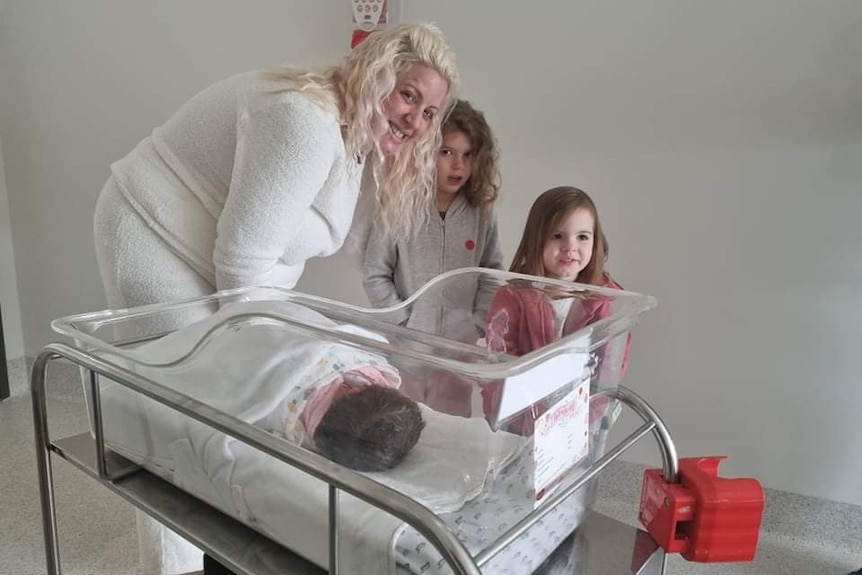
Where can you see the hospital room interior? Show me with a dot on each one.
(721, 143)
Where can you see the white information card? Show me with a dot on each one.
(561, 438)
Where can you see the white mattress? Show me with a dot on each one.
(291, 507)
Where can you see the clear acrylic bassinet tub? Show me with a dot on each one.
(502, 380)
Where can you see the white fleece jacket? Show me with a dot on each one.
(245, 182)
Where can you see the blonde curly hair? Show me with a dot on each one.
(356, 90)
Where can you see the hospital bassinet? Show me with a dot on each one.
(148, 411)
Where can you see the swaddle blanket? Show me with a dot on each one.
(450, 462)
(245, 365)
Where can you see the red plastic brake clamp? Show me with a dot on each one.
(704, 517)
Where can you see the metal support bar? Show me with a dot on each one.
(4, 370)
(333, 530)
(669, 457)
(99, 430)
(43, 461)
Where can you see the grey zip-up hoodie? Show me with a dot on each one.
(395, 268)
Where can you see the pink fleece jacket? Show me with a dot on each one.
(521, 319)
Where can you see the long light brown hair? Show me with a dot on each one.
(548, 211)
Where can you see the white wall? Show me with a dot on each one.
(83, 82)
(722, 141)
(12, 332)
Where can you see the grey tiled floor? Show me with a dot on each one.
(97, 528)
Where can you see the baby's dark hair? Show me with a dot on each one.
(370, 430)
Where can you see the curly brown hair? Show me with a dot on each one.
(371, 430)
(483, 186)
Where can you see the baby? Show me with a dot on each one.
(339, 400)
(359, 419)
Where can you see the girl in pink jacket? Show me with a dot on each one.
(563, 240)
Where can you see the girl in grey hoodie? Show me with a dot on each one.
(461, 231)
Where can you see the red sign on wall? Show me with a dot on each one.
(367, 16)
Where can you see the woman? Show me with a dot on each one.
(260, 172)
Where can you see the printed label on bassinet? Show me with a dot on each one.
(561, 438)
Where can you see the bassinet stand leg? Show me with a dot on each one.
(333, 530)
(4, 372)
(43, 461)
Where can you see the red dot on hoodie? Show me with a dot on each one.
(470, 244)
